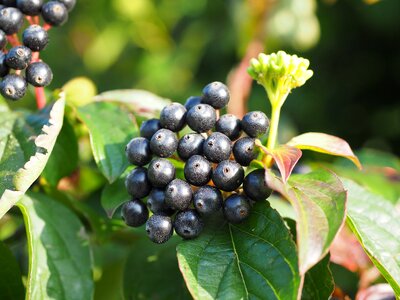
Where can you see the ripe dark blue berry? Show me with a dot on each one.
(39, 74)
(244, 151)
(173, 117)
(207, 200)
(178, 194)
(236, 208)
(192, 101)
(55, 13)
(188, 224)
(229, 125)
(30, 7)
(149, 128)
(159, 228)
(35, 38)
(255, 187)
(19, 57)
(216, 94)
(161, 172)
(255, 123)
(135, 213)
(228, 175)
(197, 170)
(13, 87)
(3, 67)
(70, 4)
(137, 184)
(164, 143)
(201, 118)
(217, 147)
(189, 145)
(3, 39)
(138, 151)
(156, 203)
(11, 20)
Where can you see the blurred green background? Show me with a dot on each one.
(174, 47)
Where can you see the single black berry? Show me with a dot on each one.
(149, 128)
(13, 87)
(173, 117)
(164, 143)
(229, 125)
(35, 38)
(161, 172)
(192, 101)
(3, 67)
(228, 175)
(156, 203)
(245, 150)
(217, 147)
(55, 13)
(216, 94)
(255, 187)
(201, 118)
(11, 20)
(39, 74)
(159, 228)
(138, 151)
(188, 224)
(30, 7)
(3, 39)
(236, 208)
(9, 3)
(19, 57)
(197, 170)
(255, 123)
(207, 200)
(70, 4)
(189, 145)
(137, 184)
(135, 213)
(178, 194)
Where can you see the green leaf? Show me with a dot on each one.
(376, 222)
(11, 287)
(64, 158)
(151, 272)
(59, 253)
(26, 142)
(110, 128)
(324, 143)
(254, 260)
(319, 201)
(113, 196)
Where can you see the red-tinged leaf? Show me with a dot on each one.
(324, 143)
(319, 201)
(285, 156)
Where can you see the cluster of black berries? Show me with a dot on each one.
(214, 174)
(35, 38)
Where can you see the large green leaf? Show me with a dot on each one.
(59, 253)
(319, 201)
(254, 260)
(26, 142)
(11, 287)
(110, 129)
(376, 223)
(113, 195)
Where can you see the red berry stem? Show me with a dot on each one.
(46, 26)
(40, 97)
(36, 20)
(30, 20)
(13, 40)
(35, 57)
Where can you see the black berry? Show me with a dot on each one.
(156, 203)
(229, 125)
(197, 170)
(69, 4)
(135, 213)
(255, 187)
(201, 118)
(3, 67)
(216, 94)
(178, 194)
(207, 200)
(9, 3)
(188, 224)
(137, 184)
(189, 145)
(3, 39)
(149, 128)
(255, 123)
(161, 172)
(39, 74)
(30, 7)
(217, 147)
(13, 87)
(192, 101)
(138, 151)
(245, 151)
(228, 175)
(236, 208)
(55, 13)
(173, 117)
(35, 38)
(164, 143)
(19, 57)
(11, 20)
(159, 228)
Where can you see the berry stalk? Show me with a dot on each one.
(40, 97)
